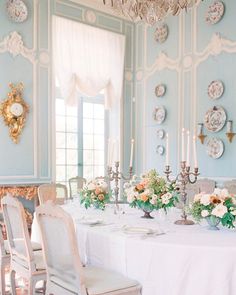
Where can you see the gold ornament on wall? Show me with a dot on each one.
(14, 111)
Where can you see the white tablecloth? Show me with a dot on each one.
(187, 260)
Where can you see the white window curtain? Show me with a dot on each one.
(88, 60)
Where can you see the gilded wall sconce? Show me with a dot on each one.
(229, 133)
(201, 136)
(14, 110)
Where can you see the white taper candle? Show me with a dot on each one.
(131, 153)
(195, 151)
(188, 149)
(167, 150)
(183, 145)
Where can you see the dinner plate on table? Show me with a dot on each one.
(138, 230)
(90, 221)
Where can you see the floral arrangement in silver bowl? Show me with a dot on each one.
(217, 208)
(95, 194)
(150, 192)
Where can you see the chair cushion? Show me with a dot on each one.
(38, 258)
(101, 281)
(98, 281)
(36, 246)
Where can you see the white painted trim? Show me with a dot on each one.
(14, 44)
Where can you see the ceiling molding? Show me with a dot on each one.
(98, 5)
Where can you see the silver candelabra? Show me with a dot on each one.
(184, 177)
(116, 175)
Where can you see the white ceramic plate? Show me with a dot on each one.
(90, 221)
(17, 11)
(159, 114)
(137, 230)
(215, 12)
(160, 90)
(215, 148)
(160, 150)
(161, 33)
(161, 133)
(215, 119)
(215, 89)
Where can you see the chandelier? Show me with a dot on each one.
(149, 11)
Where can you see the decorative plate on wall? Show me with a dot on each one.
(215, 89)
(159, 114)
(160, 150)
(161, 133)
(161, 33)
(160, 90)
(215, 119)
(215, 12)
(17, 10)
(215, 148)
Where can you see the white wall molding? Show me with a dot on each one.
(216, 46)
(13, 43)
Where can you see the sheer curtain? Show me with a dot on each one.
(87, 60)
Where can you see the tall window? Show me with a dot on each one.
(93, 139)
(80, 138)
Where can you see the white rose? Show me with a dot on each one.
(130, 198)
(91, 186)
(205, 199)
(104, 185)
(204, 213)
(217, 191)
(224, 193)
(153, 201)
(219, 210)
(197, 198)
(126, 185)
(233, 212)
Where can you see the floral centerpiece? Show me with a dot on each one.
(218, 207)
(150, 192)
(95, 194)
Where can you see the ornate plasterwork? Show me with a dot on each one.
(13, 43)
(216, 46)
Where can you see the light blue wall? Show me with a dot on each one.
(20, 163)
(186, 99)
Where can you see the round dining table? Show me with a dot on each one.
(165, 258)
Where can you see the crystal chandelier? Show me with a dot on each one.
(149, 11)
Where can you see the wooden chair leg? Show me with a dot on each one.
(2, 279)
(31, 288)
(13, 282)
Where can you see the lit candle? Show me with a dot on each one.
(195, 151)
(112, 152)
(117, 149)
(109, 153)
(131, 153)
(183, 147)
(229, 126)
(167, 149)
(188, 149)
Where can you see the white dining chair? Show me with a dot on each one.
(65, 273)
(75, 185)
(4, 262)
(206, 185)
(25, 262)
(231, 186)
(55, 192)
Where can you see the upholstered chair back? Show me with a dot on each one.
(60, 250)
(75, 185)
(17, 231)
(47, 192)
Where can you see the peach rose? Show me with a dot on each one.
(98, 191)
(139, 187)
(144, 198)
(101, 197)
